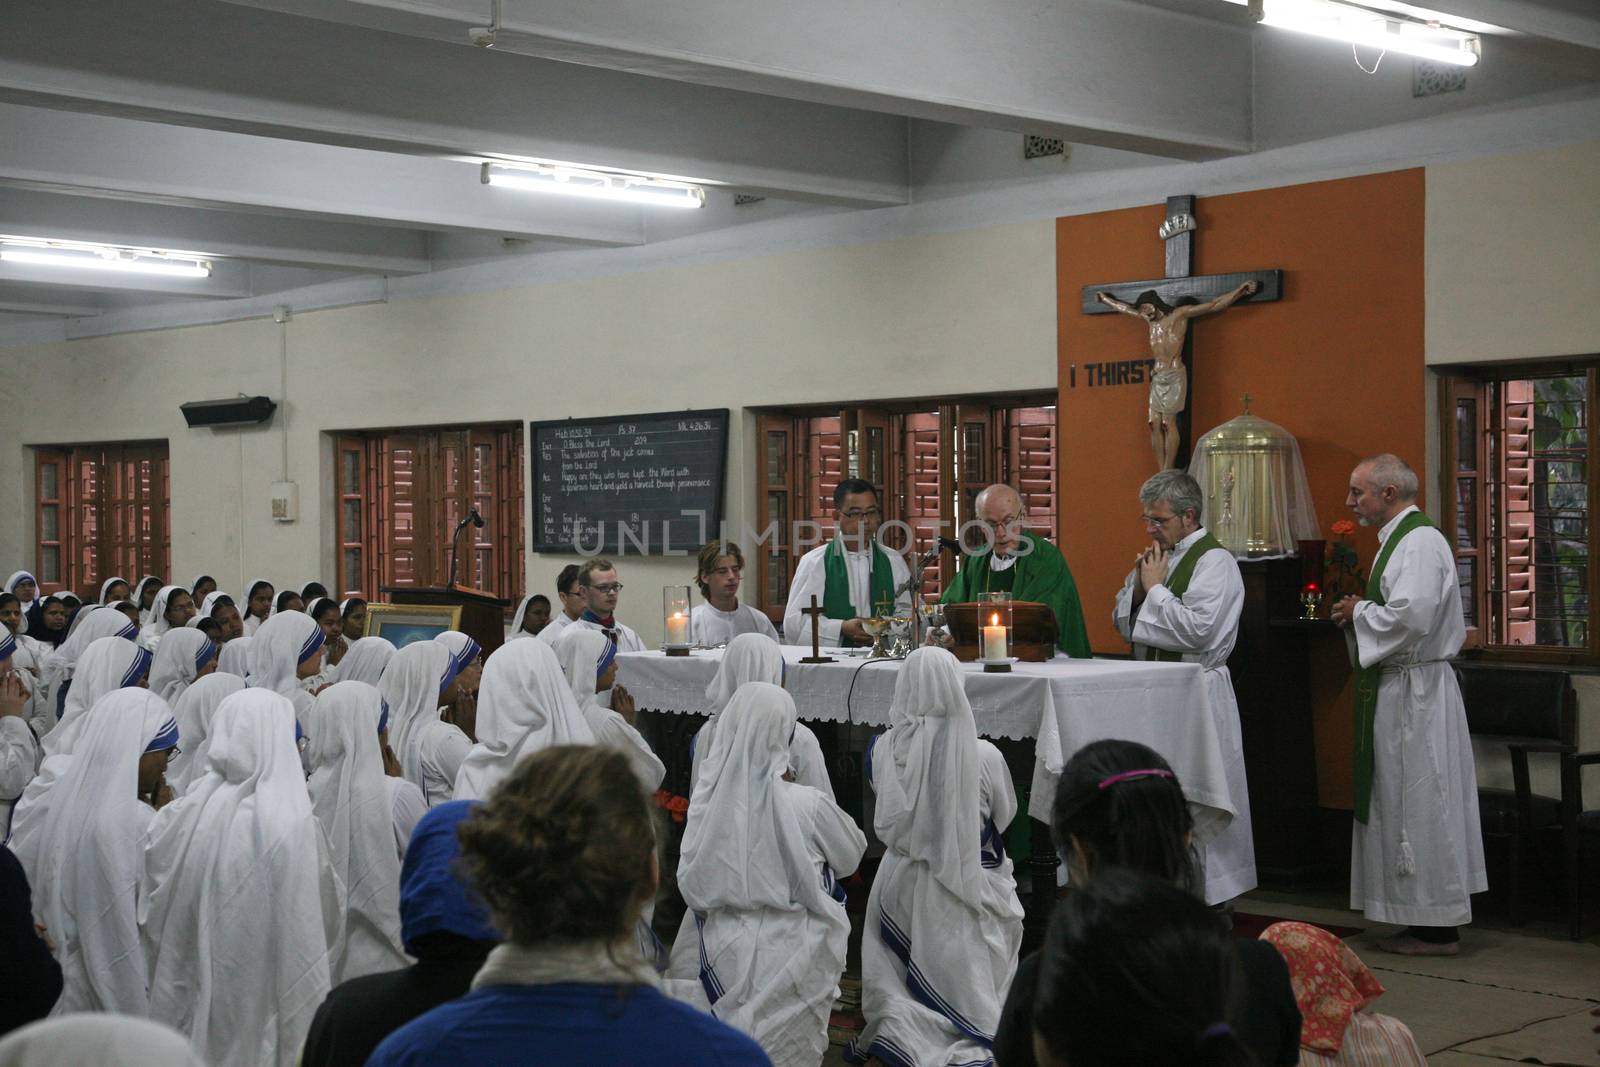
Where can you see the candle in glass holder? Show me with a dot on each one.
(994, 639)
(678, 629)
(675, 605)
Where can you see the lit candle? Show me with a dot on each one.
(678, 629)
(994, 639)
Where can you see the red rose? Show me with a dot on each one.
(1344, 527)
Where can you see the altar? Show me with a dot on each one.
(1061, 705)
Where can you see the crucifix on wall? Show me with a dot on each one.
(1167, 304)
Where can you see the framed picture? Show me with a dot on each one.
(401, 624)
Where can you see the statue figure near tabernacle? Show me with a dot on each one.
(1168, 328)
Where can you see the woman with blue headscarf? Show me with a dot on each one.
(442, 925)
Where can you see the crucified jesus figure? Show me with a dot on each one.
(1168, 328)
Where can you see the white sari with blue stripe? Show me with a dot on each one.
(943, 923)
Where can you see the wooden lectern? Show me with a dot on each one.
(483, 615)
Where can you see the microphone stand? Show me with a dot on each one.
(455, 543)
(915, 582)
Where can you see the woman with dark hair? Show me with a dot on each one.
(325, 613)
(563, 853)
(1135, 970)
(113, 591)
(144, 597)
(257, 605)
(49, 617)
(288, 600)
(203, 587)
(312, 590)
(1120, 806)
(353, 619)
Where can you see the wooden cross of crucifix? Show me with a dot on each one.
(1167, 305)
(816, 612)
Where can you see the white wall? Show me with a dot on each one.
(970, 311)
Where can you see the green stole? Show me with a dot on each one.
(1177, 584)
(836, 603)
(1367, 678)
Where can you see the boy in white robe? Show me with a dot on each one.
(81, 838)
(1417, 857)
(239, 972)
(943, 924)
(761, 862)
(722, 618)
(1177, 608)
(601, 588)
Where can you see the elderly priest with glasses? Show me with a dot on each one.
(1181, 603)
(850, 575)
(1023, 564)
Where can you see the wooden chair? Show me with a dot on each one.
(1528, 710)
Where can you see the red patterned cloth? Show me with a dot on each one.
(1330, 982)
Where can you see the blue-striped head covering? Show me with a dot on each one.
(460, 657)
(138, 668)
(207, 650)
(312, 645)
(130, 631)
(432, 897)
(8, 644)
(607, 658)
(166, 737)
(383, 718)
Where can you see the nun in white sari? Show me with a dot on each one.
(154, 624)
(587, 657)
(89, 627)
(349, 800)
(233, 896)
(146, 615)
(524, 705)
(235, 657)
(365, 660)
(758, 658)
(762, 856)
(107, 664)
(181, 658)
(81, 841)
(287, 648)
(103, 1040)
(943, 923)
(194, 711)
(430, 750)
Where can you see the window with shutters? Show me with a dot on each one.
(401, 495)
(1517, 447)
(928, 460)
(100, 510)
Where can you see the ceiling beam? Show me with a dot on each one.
(1574, 22)
(1104, 72)
(227, 280)
(41, 307)
(94, 155)
(311, 80)
(321, 244)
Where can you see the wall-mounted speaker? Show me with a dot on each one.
(236, 411)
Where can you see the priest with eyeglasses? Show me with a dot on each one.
(849, 576)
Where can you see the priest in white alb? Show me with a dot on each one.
(1181, 603)
(1416, 847)
(849, 576)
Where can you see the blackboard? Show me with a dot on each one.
(632, 484)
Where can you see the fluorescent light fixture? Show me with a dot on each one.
(593, 184)
(75, 255)
(1368, 27)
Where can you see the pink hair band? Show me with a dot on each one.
(1151, 772)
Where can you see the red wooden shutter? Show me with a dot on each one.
(51, 532)
(353, 530)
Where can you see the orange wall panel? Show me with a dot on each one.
(1338, 362)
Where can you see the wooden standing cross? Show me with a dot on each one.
(816, 612)
(1182, 287)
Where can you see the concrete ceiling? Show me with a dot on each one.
(299, 141)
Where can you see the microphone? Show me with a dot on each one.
(472, 517)
(951, 543)
(476, 519)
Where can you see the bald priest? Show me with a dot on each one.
(1022, 564)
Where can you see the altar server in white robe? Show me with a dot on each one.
(589, 661)
(943, 923)
(524, 705)
(365, 660)
(240, 972)
(1181, 603)
(574, 602)
(754, 658)
(182, 657)
(418, 680)
(722, 617)
(81, 841)
(286, 649)
(1416, 848)
(601, 588)
(349, 800)
(849, 575)
(760, 869)
(194, 711)
(89, 627)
